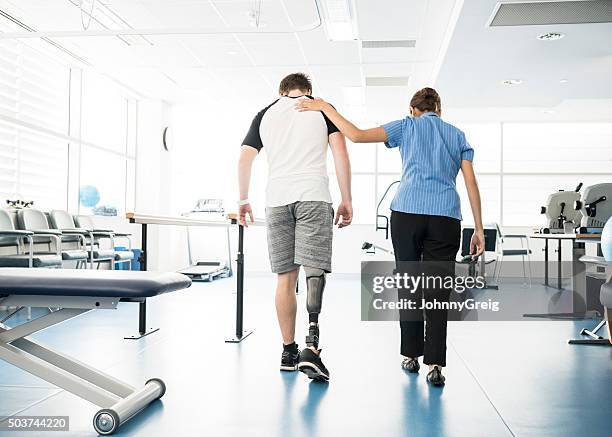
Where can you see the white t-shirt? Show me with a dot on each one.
(296, 148)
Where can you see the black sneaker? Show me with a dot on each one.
(312, 366)
(411, 365)
(435, 377)
(290, 358)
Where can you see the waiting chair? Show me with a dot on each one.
(120, 256)
(35, 221)
(18, 239)
(524, 251)
(15, 238)
(490, 235)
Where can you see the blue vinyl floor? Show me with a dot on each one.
(503, 378)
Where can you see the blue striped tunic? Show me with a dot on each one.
(432, 151)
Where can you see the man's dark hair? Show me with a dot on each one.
(295, 81)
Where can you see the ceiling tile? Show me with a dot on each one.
(180, 14)
(241, 14)
(273, 49)
(216, 50)
(319, 50)
(402, 19)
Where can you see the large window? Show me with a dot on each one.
(66, 137)
(107, 152)
(33, 126)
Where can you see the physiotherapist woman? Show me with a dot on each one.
(426, 213)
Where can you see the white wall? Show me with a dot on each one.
(154, 185)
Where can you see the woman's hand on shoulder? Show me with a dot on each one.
(317, 104)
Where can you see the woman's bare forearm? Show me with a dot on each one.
(352, 132)
(475, 203)
(471, 186)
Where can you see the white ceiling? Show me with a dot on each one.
(232, 56)
(192, 50)
(479, 58)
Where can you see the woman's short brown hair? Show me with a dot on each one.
(426, 100)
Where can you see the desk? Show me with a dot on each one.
(578, 273)
(145, 219)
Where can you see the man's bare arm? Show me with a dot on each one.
(245, 164)
(342, 163)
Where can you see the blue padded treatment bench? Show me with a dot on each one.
(77, 292)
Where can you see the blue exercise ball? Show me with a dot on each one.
(606, 240)
(89, 196)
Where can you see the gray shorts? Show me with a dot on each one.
(300, 234)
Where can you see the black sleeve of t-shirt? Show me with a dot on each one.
(331, 127)
(253, 137)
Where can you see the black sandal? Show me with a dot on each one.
(411, 365)
(435, 377)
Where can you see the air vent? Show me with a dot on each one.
(387, 81)
(403, 43)
(552, 12)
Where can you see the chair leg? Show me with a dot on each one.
(524, 271)
(529, 265)
(501, 260)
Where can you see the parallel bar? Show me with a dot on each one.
(142, 317)
(559, 272)
(240, 283)
(239, 333)
(546, 262)
(232, 220)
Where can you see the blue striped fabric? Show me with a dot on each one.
(431, 151)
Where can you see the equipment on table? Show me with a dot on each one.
(596, 207)
(560, 211)
(76, 292)
(207, 270)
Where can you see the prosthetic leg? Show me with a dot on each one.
(315, 283)
(310, 359)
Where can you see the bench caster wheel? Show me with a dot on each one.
(106, 422)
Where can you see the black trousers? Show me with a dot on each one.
(433, 239)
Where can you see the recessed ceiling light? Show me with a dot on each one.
(551, 36)
(563, 81)
(512, 81)
(232, 53)
(548, 111)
